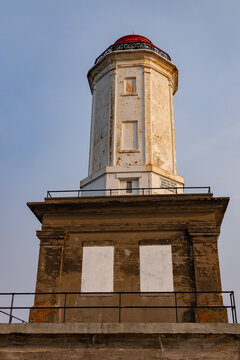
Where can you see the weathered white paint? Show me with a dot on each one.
(97, 269)
(132, 119)
(156, 272)
(148, 177)
(99, 142)
(129, 135)
(130, 86)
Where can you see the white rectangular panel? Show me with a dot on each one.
(130, 85)
(97, 269)
(129, 135)
(156, 272)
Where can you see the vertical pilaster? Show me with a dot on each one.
(91, 147)
(146, 117)
(112, 124)
(49, 275)
(207, 272)
(171, 117)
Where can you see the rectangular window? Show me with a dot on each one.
(130, 86)
(156, 272)
(97, 269)
(129, 135)
(129, 187)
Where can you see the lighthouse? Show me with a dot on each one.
(128, 264)
(130, 243)
(132, 142)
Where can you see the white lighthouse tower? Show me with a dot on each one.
(132, 144)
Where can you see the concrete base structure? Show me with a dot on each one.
(120, 341)
(188, 225)
(147, 179)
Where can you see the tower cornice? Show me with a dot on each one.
(141, 57)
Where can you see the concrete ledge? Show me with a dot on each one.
(124, 328)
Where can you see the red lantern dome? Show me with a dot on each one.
(134, 42)
(132, 39)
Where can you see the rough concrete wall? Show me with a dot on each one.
(128, 342)
(100, 128)
(128, 108)
(126, 276)
(49, 275)
(207, 272)
(161, 122)
(180, 222)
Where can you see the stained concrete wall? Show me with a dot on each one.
(163, 142)
(190, 224)
(99, 146)
(129, 108)
(120, 342)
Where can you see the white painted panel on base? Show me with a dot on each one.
(156, 272)
(97, 269)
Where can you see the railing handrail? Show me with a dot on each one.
(115, 292)
(116, 47)
(111, 190)
(121, 304)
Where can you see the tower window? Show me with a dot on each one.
(156, 272)
(129, 135)
(97, 269)
(130, 85)
(129, 186)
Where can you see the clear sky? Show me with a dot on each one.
(46, 49)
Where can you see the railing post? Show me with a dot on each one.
(64, 309)
(11, 309)
(176, 306)
(234, 307)
(231, 304)
(195, 307)
(120, 305)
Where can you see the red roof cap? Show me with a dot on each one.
(132, 38)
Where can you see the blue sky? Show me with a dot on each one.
(47, 48)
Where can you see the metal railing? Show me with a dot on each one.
(134, 191)
(133, 46)
(197, 302)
